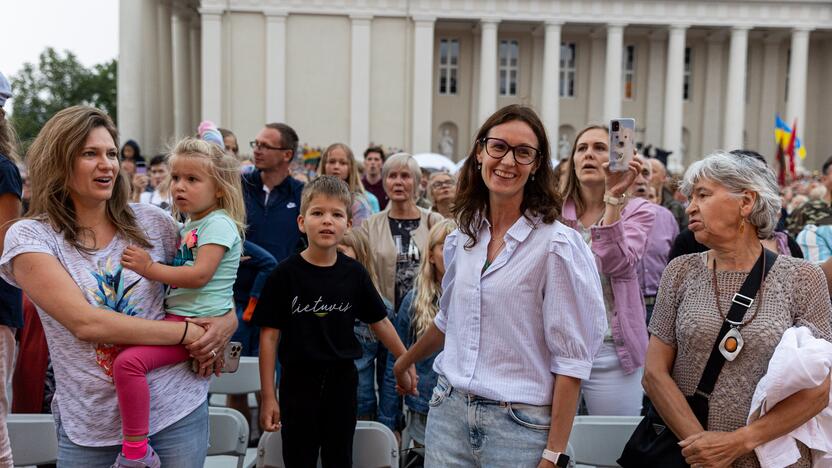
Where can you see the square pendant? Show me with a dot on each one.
(731, 344)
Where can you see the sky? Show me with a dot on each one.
(88, 28)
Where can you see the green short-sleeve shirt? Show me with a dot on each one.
(217, 296)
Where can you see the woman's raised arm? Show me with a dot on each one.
(65, 302)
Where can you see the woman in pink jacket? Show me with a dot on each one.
(616, 229)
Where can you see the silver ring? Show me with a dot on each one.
(213, 353)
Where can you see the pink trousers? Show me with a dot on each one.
(130, 376)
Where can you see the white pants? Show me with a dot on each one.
(6, 370)
(609, 391)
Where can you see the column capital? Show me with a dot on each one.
(802, 30)
(358, 18)
(741, 28)
(616, 25)
(423, 19)
(677, 26)
(275, 13)
(553, 22)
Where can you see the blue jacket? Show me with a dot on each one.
(424, 369)
(262, 262)
(272, 226)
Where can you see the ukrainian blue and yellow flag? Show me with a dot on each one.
(783, 135)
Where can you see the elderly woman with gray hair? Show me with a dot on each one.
(734, 203)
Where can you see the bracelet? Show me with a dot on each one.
(184, 334)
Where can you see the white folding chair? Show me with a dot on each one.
(33, 439)
(229, 435)
(599, 440)
(374, 446)
(270, 451)
(245, 380)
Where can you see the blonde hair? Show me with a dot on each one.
(327, 186)
(223, 168)
(428, 287)
(353, 178)
(360, 244)
(8, 140)
(51, 166)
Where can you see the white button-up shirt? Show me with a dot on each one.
(536, 311)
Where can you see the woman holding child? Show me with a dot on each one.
(518, 367)
(66, 258)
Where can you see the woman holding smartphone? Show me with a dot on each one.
(615, 228)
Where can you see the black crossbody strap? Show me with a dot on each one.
(739, 306)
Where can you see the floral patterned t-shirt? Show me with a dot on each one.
(85, 397)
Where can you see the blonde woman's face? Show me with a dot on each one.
(399, 184)
(337, 164)
(438, 260)
(94, 169)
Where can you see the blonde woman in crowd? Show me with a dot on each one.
(338, 160)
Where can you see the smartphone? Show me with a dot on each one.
(141, 169)
(622, 144)
(231, 358)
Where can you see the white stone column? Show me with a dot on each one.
(712, 113)
(276, 66)
(769, 95)
(165, 61)
(612, 71)
(550, 103)
(653, 123)
(488, 70)
(211, 65)
(422, 125)
(796, 94)
(195, 70)
(360, 53)
(181, 73)
(149, 138)
(674, 96)
(595, 100)
(130, 85)
(734, 124)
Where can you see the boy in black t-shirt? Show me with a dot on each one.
(309, 305)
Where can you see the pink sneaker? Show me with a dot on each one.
(150, 460)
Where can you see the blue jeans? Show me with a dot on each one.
(184, 444)
(370, 368)
(465, 430)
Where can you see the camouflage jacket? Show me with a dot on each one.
(809, 213)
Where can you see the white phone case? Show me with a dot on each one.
(622, 143)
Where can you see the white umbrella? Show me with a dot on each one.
(434, 161)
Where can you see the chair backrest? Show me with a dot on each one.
(33, 438)
(374, 446)
(270, 451)
(599, 440)
(245, 380)
(229, 433)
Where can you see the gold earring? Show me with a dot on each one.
(742, 226)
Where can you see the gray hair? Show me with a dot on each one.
(403, 160)
(738, 173)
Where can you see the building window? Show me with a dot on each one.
(509, 64)
(448, 66)
(629, 75)
(567, 69)
(687, 88)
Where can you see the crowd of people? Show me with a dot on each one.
(474, 314)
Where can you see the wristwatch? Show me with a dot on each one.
(560, 459)
(615, 201)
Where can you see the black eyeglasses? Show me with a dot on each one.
(498, 148)
(258, 145)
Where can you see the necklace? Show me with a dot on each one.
(732, 342)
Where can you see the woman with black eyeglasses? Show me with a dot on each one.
(521, 313)
(616, 228)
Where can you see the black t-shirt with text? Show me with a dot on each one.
(315, 309)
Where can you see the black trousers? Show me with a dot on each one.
(318, 407)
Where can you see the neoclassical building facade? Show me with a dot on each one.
(423, 75)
